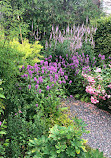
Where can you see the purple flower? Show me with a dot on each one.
(26, 75)
(46, 63)
(59, 65)
(29, 86)
(35, 79)
(60, 81)
(70, 82)
(40, 90)
(67, 55)
(66, 77)
(62, 73)
(102, 57)
(99, 55)
(60, 57)
(20, 88)
(56, 76)
(52, 85)
(0, 123)
(50, 56)
(63, 81)
(15, 113)
(48, 87)
(51, 78)
(41, 62)
(40, 79)
(23, 67)
(71, 96)
(36, 105)
(36, 86)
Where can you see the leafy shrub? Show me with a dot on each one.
(103, 37)
(20, 130)
(2, 107)
(30, 51)
(94, 154)
(4, 142)
(61, 142)
(12, 56)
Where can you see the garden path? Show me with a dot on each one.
(98, 123)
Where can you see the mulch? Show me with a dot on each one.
(98, 123)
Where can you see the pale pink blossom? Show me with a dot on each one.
(90, 90)
(91, 79)
(94, 100)
(109, 85)
(97, 69)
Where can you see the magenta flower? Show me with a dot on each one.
(0, 123)
(29, 86)
(36, 86)
(40, 79)
(56, 76)
(36, 105)
(35, 79)
(41, 62)
(40, 90)
(52, 85)
(70, 82)
(48, 87)
(66, 77)
(63, 81)
(71, 96)
(60, 81)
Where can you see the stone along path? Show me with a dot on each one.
(98, 123)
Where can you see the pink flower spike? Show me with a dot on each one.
(15, 113)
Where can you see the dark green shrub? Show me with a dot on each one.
(103, 37)
(19, 131)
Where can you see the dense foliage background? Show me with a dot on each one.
(49, 50)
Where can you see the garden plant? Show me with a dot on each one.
(49, 51)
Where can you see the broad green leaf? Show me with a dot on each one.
(2, 96)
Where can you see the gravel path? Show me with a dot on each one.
(98, 123)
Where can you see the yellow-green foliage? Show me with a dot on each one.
(30, 51)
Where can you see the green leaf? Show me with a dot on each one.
(78, 151)
(2, 132)
(2, 96)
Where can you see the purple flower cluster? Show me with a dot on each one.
(45, 76)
